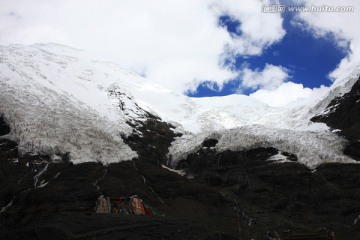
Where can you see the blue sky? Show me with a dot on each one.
(309, 59)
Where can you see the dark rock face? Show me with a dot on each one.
(277, 194)
(151, 139)
(344, 114)
(353, 149)
(59, 203)
(231, 194)
(4, 128)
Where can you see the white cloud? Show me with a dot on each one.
(289, 94)
(269, 78)
(344, 26)
(258, 30)
(176, 43)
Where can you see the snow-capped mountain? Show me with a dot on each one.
(58, 100)
(196, 160)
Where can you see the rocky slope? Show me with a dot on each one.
(343, 113)
(222, 193)
(51, 91)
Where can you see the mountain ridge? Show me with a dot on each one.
(69, 126)
(47, 86)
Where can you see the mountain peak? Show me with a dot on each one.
(49, 91)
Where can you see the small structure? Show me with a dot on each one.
(120, 205)
(124, 205)
(137, 206)
(103, 205)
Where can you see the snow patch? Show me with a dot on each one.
(279, 157)
(3, 209)
(179, 172)
(357, 220)
(36, 178)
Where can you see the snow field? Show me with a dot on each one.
(58, 100)
(311, 148)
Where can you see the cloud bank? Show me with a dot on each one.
(180, 44)
(268, 78)
(342, 26)
(289, 94)
(176, 43)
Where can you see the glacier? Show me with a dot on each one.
(60, 100)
